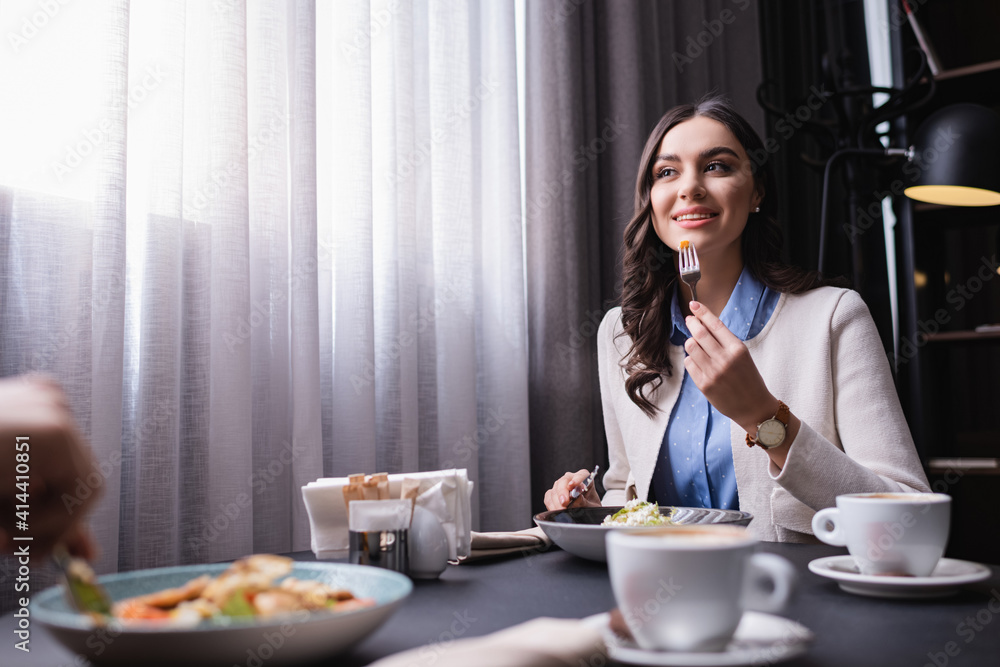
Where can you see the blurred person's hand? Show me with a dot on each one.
(38, 433)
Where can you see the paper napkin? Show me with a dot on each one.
(496, 544)
(450, 502)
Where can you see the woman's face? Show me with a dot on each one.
(703, 189)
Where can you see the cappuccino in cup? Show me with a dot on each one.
(889, 534)
(684, 588)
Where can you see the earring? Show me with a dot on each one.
(757, 210)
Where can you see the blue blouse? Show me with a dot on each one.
(695, 465)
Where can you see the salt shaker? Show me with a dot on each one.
(379, 533)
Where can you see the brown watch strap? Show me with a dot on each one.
(783, 415)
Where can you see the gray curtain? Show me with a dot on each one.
(600, 74)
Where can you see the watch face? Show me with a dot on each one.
(771, 433)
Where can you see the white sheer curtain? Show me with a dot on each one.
(261, 243)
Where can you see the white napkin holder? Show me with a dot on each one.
(450, 503)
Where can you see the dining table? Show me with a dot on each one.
(477, 598)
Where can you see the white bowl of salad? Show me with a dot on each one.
(581, 530)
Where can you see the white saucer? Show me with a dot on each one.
(760, 639)
(946, 578)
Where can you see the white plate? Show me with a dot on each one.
(946, 578)
(288, 638)
(760, 639)
(578, 530)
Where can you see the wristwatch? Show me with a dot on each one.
(771, 432)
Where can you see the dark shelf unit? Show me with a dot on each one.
(950, 336)
(966, 71)
(954, 370)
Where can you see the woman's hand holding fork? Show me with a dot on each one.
(721, 365)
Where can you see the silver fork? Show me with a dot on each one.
(577, 493)
(690, 269)
(82, 588)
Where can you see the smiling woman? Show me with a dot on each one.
(703, 192)
(768, 357)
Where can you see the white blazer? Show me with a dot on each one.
(820, 353)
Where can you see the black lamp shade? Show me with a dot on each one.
(956, 157)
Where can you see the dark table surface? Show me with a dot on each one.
(476, 599)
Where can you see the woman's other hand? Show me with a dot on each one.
(558, 496)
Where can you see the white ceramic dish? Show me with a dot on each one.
(947, 577)
(578, 530)
(760, 639)
(287, 639)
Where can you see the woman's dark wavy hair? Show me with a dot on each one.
(649, 272)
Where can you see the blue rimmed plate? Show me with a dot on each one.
(287, 639)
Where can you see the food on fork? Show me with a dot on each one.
(248, 589)
(639, 513)
(689, 267)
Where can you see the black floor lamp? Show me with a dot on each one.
(954, 160)
(956, 157)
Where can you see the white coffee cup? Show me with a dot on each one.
(684, 588)
(888, 533)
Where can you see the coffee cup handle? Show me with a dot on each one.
(834, 536)
(773, 569)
